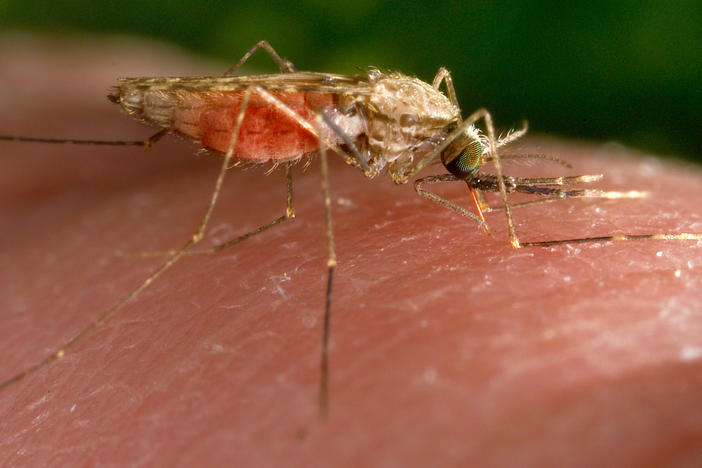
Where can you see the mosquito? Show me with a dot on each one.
(375, 121)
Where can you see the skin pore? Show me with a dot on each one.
(448, 347)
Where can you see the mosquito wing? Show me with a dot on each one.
(206, 109)
(308, 82)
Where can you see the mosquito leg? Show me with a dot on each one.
(443, 75)
(331, 265)
(284, 65)
(442, 201)
(289, 214)
(172, 259)
(148, 143)
(199, 232)
(616, 238)
(59, 353)
(513, 239)
(294, 116)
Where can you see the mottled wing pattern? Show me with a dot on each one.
(284, 82)
(206, 109)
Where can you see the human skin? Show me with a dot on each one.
(449, 348)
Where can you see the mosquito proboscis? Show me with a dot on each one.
(376, 121)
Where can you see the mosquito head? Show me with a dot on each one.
(462, 157)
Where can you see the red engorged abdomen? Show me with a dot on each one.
(266, 134)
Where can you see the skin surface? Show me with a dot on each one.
(448, 347)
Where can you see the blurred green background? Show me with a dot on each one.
(624, 70)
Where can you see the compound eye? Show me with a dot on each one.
(467, 161)
(470, 157)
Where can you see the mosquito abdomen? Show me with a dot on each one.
(209, 117)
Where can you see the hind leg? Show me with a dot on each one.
(284, 65)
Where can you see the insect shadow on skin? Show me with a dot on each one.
(375, 121)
